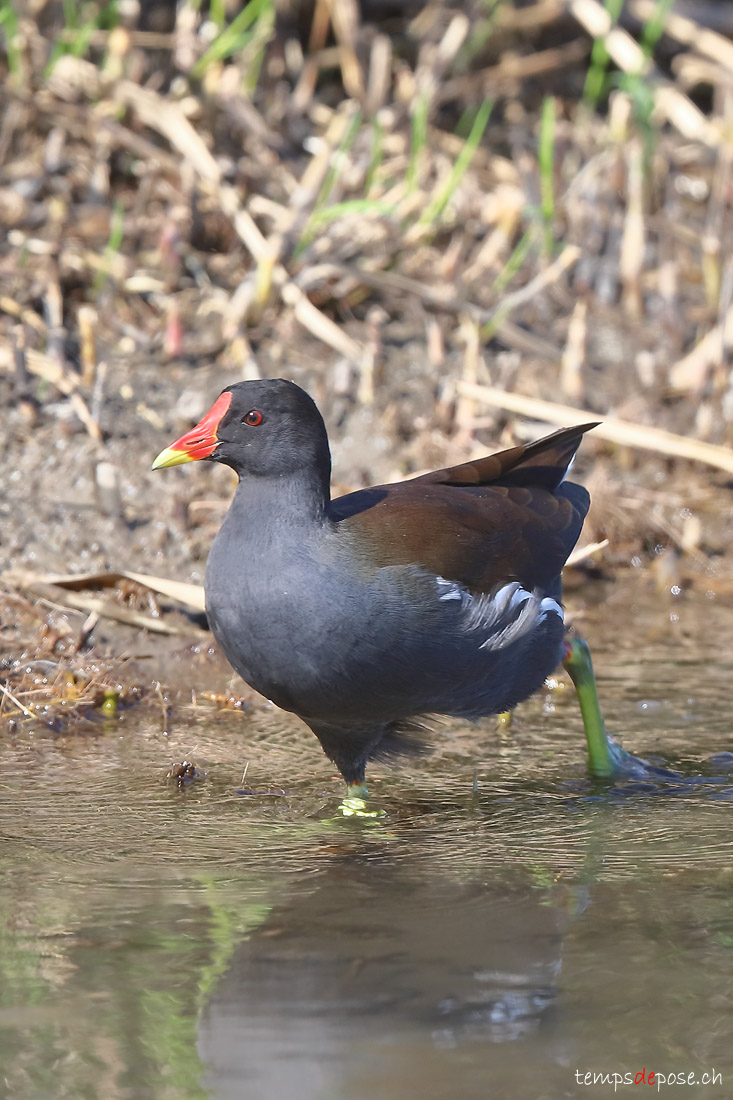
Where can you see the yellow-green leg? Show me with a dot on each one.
(606, 758)
(355, 804)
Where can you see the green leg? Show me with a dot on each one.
(606, 758)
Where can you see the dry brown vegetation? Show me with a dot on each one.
(454, 223)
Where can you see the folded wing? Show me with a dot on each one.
(509, 516)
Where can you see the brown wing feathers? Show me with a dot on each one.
(545, 461)
(499, 518)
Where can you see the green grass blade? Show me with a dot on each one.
(351, 206)
(329, 182)
(375, 155)
(256, 46)
(235, 36)
(546, 156)
(9, 23)
(334, 171)
(441, 200)
(218, 13)
(654, 27)
(595, 80)
(116, 234)
(515, 261)
(418, 139)
(81, 21)
(637, 86)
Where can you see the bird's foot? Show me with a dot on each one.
(607, 760)
(355, 804)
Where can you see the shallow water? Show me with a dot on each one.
(496, 940)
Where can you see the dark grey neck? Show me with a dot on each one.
(283, 501)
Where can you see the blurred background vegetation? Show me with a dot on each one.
(457, 224)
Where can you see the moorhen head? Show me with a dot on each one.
(437, 595)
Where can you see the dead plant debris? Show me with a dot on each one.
(452, 223)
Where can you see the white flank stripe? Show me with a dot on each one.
(548, 605)
(449, 590)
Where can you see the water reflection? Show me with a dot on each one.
(198, 945)
(379, 956)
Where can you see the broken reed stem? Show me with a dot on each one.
(615, 431)
(16, 702)
(573, 356)
(582, 553)
(567, 258)
(689, 374)
(87, 319)
(687, 32)
(674, 105)
(631, 262)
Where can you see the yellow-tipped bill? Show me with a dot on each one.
(171, 457)
(200, 442)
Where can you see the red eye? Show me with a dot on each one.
(254, 418)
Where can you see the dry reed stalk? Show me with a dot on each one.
(615, 431)
(552, 274)
(25, 314)
(380, 73)
(39, 364)
(670, 102)
(690, 71)
(318, 324)
(690, 373)
(529, 343)
(345, 21)
(688, 32)
(82, 411)
(190, 595)
(505, 212)
(529, 18)
(53, 310)
(19, 357)
(443, 298)
(16, 702)
(306, 86)
(87, 319)
(167, 118)
(108, 609)
(631, 262)
(465, 405)
(574, 353)
(512, 70)
(583, 553)
(717, 207)
(371, 359)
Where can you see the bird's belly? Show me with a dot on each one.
(337, 652)
(289, 646)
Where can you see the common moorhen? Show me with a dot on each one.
(438, 595)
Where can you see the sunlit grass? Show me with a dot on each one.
(596, 81)
(80, 23)
(254, 22)
(9, 28)
(546, 158)
(418, 139)
(446, 192)
(637, 86)
(516, 260)
(333, 175)
(375, 155)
